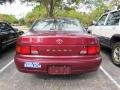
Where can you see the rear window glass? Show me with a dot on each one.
(57, 24)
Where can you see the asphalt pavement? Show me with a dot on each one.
(106, 78)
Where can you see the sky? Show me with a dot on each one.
(16, 8)
(20, 10)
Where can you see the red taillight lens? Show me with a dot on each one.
(23, 50)
(93, 50)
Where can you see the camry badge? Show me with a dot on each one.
(59, 41)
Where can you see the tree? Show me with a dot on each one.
(35, 14)
(50, 5)
(4, 1)
(86, 19)
(22, 21)
(115, 2)
(1, 17)
(10, 19)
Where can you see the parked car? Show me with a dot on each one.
(8, 35)
(107, 29)
(57, 46)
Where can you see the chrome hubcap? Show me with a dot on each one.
(117, 54)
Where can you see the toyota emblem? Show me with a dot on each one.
(59, 41)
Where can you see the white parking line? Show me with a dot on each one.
(110, 77)
(102, 69)
(6, 66)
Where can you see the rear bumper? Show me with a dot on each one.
(77, 64)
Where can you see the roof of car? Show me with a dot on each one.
(2, 22)
(67, 18)
(111, 11)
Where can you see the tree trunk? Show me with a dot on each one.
(49, 4)
(51, 8)
(46, 6)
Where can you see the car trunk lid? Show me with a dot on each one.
(58, 44)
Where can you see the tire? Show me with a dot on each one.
(116, 54)
(0, 48)
(0, 53)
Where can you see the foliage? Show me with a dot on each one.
(95, 14)
(115, 2)
(37, 12)
(4, 1)
(22, 21)
(86, 19)
(50, 5)
(1, 17)
(60, 10)
(8, 18)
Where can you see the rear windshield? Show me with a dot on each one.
(58, 24)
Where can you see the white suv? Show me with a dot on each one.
(107, 29)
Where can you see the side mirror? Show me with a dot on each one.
(21, 32)
(89, 32)
(94, 23)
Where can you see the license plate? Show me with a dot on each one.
(56, 70)
(32, 65)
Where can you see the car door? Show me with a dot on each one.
(9, 36)
(0, 39)
(99, 29)
(12, 34)
(112, 26)
(4, 35)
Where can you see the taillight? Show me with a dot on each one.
(93, 50)
(34, 51)
(23, 50)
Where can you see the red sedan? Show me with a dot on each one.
(57, 46)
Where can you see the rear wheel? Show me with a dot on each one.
(0, 50)
(116, 54)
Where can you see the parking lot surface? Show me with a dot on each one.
(106, 78)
